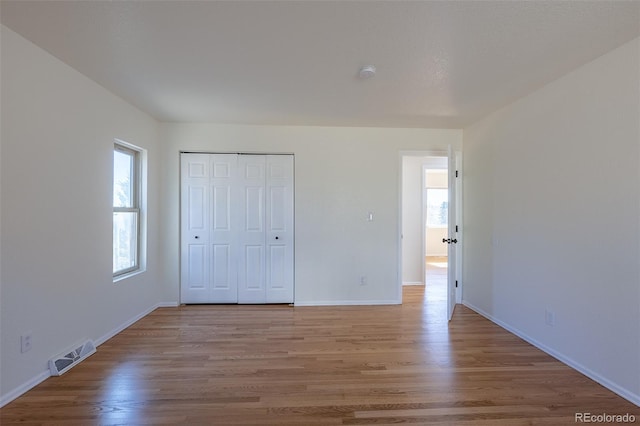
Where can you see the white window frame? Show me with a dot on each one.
(138, 198)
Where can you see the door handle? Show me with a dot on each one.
(450, 240)
(277, 238)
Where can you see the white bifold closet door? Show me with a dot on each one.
(237, 228)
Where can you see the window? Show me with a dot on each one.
(126, 210)
(437, 207)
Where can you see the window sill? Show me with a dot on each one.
(128, 275)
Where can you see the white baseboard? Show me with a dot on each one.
(413, 283)
(613, 387)
(124, 325)
(348, 302)
(29, 384)
(41, 377)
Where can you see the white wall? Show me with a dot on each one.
(58, 129)
(340, 175)
(552, 213)
(437, 178)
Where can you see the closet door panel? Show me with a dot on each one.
(224, 276)
(195, 262)
(251, 271)
(280, 232)
(237, 228)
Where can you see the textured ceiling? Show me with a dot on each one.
(440, 64)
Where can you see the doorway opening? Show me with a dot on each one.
(424, 225)
(436, 221)
(430, 239)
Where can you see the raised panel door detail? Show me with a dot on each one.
(196, 208)
(221, 170)
(196, 266)
(221, 207)
(277, 213)
(221, 255)
(277, 171)
(276, 262)
(254, 203)
(197, 169)
(254, 256)
(253, 171)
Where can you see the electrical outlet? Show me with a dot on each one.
(25, 342)
(363, 280)
(549, 318)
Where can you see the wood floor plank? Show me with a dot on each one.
(278, 365)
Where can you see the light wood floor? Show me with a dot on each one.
(436, 286)
(277, 365)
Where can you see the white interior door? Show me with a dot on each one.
(452, 236)
(251, 211)
(223, 196)
(237, 228)
(279, 232)
(194, 274)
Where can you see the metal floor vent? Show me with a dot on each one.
(65, 361)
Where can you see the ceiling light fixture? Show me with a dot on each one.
(366, 72)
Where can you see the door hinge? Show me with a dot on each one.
(456, 228)
(456, 283)
(456, 173)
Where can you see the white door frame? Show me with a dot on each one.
(459, 209)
